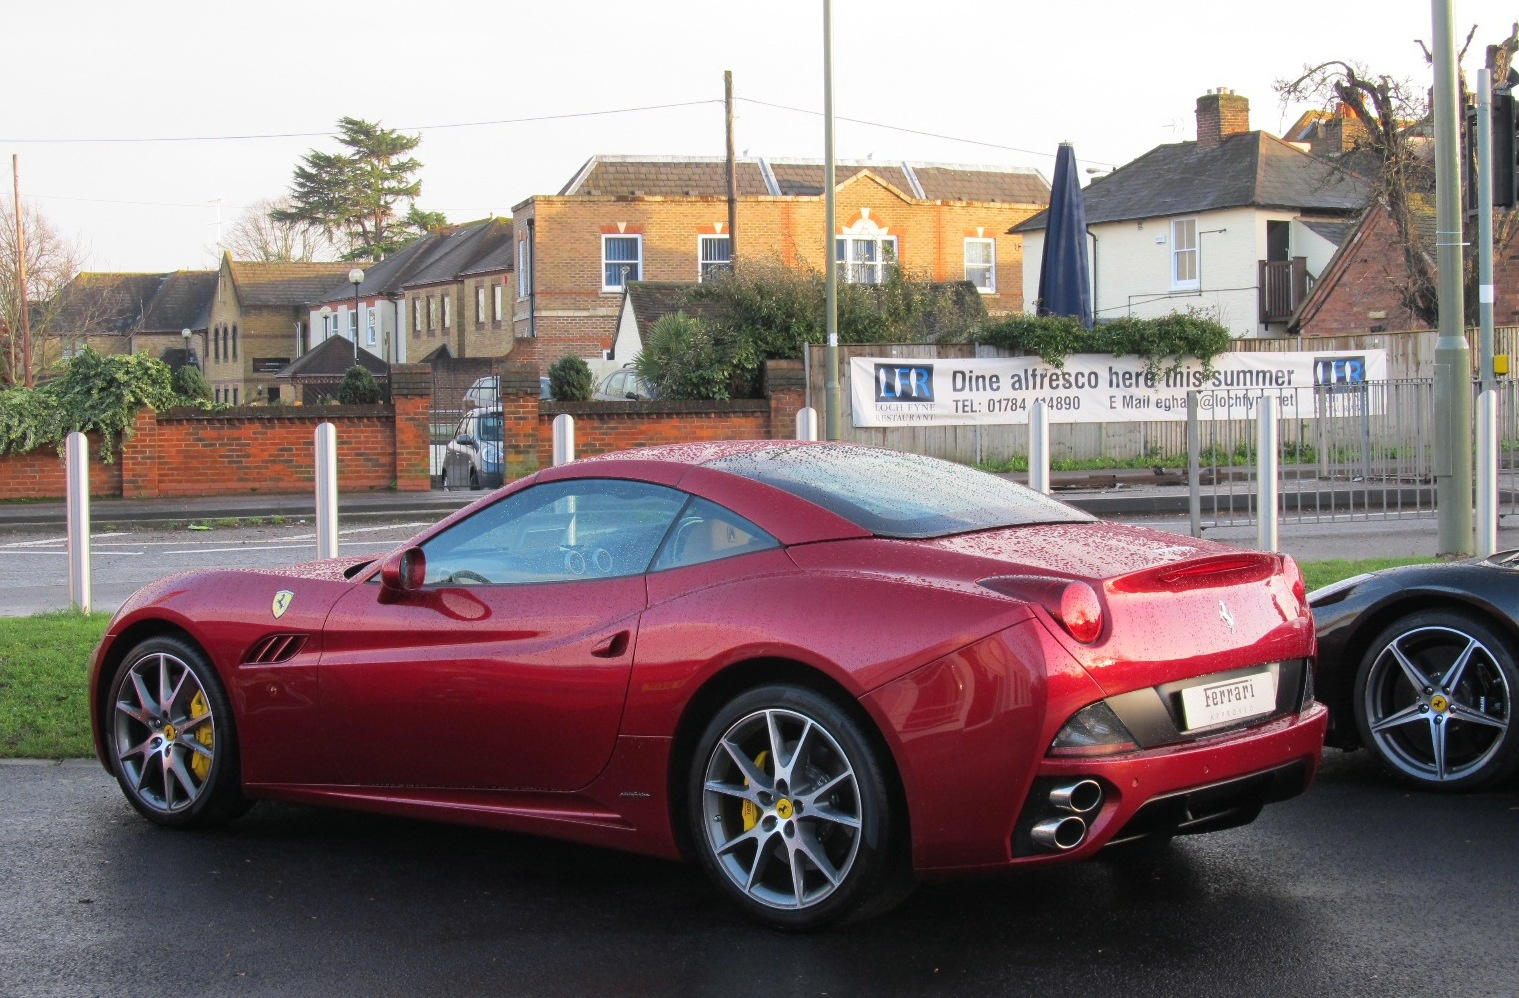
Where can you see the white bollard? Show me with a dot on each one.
(807, 423)
(326, 491)
(1265, 475)
(1039, 448)
(564, 439)
(77, 474)
(1487, 473)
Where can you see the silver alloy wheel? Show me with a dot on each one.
(1436, 704)
(164, 732)
(781, 809)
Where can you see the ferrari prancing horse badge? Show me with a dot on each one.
(282, 602)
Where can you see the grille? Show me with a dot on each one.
(274, 649)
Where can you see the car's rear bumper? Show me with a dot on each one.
(1200, 786)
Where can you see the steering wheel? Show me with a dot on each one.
(467, 575)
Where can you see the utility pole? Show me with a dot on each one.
(25, 310)
(1453, 366)
(833, 399)
(1485, 222)
(732, 170)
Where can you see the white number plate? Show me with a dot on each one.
(1231, 700)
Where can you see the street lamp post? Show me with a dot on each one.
(189, 349)
(356, 277)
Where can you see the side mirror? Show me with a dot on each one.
(402, 572)
(465, 440)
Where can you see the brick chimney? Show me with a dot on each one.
(1220, 114)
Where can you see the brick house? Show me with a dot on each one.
(258, 321)
(1238, 223)
(449, 288)
(625, 219)
(127, 313)
(1362, 290)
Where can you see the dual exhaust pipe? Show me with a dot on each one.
(1068, 830)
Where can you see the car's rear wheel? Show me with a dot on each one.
(444, 480)
(1433, 700)
(474, 479)
(790, 811)
(171, 736)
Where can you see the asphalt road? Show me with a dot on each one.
(36, 559)
(1357, 888)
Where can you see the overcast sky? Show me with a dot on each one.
(998, 82)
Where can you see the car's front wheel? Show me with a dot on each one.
(790, 811)
(1434, 701)
(171, 736)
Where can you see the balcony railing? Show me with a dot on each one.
(1283, 286)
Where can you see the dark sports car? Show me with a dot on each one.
(821, 670)
(1419, 664)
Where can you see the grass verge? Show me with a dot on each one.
(44, 661)
(44, 664)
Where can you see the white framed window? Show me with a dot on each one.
(448, 301)
(416, 317)
(1184, 259)
(372, 335)
(432, 312)
(353, 324)
(479, 304)
(621, 261)
(981, 264)
(714, 255)
(497, 291)
(524, 268)
(865, 259)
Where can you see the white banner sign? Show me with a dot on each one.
(1098, 388)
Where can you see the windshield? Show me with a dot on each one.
(490, 426)
(892, 494)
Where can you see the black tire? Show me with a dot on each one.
(1429, 728)
(821, 817)
(474, 479)
(175, 755)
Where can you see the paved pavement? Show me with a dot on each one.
(1130, 499)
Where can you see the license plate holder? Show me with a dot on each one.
(1227, 701)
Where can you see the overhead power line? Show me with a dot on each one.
(327, 134)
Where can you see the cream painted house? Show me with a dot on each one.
(1238, 224)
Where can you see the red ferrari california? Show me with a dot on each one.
(820, 670)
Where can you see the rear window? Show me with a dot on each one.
(892, 494)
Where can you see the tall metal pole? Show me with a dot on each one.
(1453, 364)
(25, 310)
(1485, 222)
(833, 400)
(732, 169)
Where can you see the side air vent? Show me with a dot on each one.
(274, 649)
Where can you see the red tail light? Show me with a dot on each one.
(1294, 576)
(1074, 604)
(1081, 612)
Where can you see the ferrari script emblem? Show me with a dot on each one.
(282, 602)
(1225, 615)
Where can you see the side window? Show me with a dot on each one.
(707, 532)
(556, 532)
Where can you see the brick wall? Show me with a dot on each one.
(41, 474)
(601, 427)
(245, 451)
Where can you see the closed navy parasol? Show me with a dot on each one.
(1065, 286)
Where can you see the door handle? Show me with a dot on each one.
(612, 647)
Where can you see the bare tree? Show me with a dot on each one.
(1402, 177)
(257, 236)
(1394, 133)
(52, 261)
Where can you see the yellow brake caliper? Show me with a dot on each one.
(200, 765)
(751, 810)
